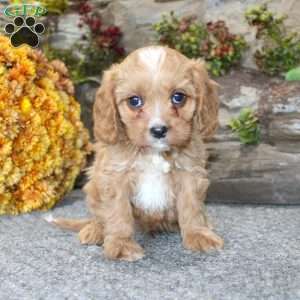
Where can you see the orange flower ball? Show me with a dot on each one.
(43, 143)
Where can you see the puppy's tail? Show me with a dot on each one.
(69, 224)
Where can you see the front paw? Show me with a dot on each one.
(202, 239)
(122, 249)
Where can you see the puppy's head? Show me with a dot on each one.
(156, 98)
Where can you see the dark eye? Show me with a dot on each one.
(178, 98)
(135, 102)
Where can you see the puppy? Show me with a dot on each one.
(152, 114)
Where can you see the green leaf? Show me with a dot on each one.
(246, 127)
(245, 114)
(293, 75)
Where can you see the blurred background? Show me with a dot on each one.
(252, 49)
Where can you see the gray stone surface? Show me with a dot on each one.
(270, 172)
(253, 174)
(291, 8)
(3, 19)
(261, 260)
(85, 94)
(68, 32)
(136, 18)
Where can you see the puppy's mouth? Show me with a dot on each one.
(159, 144)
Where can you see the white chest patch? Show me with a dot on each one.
(153, 191)
(152, 57)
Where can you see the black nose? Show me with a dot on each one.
(159, 131)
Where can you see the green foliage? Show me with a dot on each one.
(185, 35)
(212, 41)
(221, 49)
(246, 126)
(281, 50)
(83, 61)
(57, 7)
(94, 60)
(293, 75)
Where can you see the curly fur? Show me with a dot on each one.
(131, 168)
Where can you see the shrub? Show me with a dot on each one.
(184, 35)
(213, 41)
(43, 143)
(281, 50)
(97, 50)
(246, 126)
(221, 48)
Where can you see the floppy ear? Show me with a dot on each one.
(208, 101)
(106, 119)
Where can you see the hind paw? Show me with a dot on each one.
(91, 234)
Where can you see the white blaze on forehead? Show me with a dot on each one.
(152, 57)
(156, 117)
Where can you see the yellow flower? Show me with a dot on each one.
(43, 143)
(2, 69)
(25, 105)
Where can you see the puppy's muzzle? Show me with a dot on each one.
(159, 132)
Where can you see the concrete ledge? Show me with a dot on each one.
(260, 260)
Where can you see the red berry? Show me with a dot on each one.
(95, 24)
(113, 30)
(120, 50)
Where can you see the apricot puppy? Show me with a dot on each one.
(152, 114)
